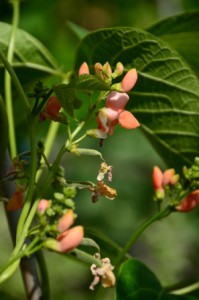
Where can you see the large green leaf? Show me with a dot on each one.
(166, 97)
(182, 33)
(136, 282)
(31, 59)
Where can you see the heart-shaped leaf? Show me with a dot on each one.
(135, 282)
(182, 33)
(31, 59)
(166, 97)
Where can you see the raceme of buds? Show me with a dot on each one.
(103, 274)
(162, 179)
(190, 202)
(106, 73)
(112, 114)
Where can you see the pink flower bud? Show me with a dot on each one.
(66, 221)
(129, 80)
(119, 69)
(190, 202)
(98, 68)
(52, 107)
(43, 205)
(70, 239)
(175, 179)
(157, 177)
(106, 69)
(167, 175)
(84, 69)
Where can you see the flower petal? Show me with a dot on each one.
(84, 69)
(70, 239)
(127, 120)
(129, 80)
(116, 100)
(65, 221)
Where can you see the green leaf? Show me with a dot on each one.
(166, 97)
(66, 93)
(135, 282)
(182, 33)
(31, 59)
(87, 82)
(67, 96)
(79, 31)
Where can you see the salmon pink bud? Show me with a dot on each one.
(175, 179)
(43, 205)
(190, 202)
(157, 177)
(98, 68)
(66, 221)
(167, 175)
(84, 69)
(106, 69)
(119, 69)
(129, 80)
(70, 239)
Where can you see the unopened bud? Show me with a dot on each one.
(84, 69)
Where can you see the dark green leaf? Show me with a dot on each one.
(31, 59)
(182, 33)
(87, 82)
(136, 282)
(66, 95)
(166, 97)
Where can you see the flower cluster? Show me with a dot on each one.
(113, 113)
(162, 179)
(56, 221)
(167, 183)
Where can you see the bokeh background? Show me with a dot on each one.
(170, 247)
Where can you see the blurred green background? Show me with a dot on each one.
(169, 248)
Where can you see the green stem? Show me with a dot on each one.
(188, 289)
(8, 87)
(54, 126)
(160, 215)
(44, 275)
(33, 170)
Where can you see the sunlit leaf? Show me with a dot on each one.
(31, 59)
(182, 33)
(165, 99)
